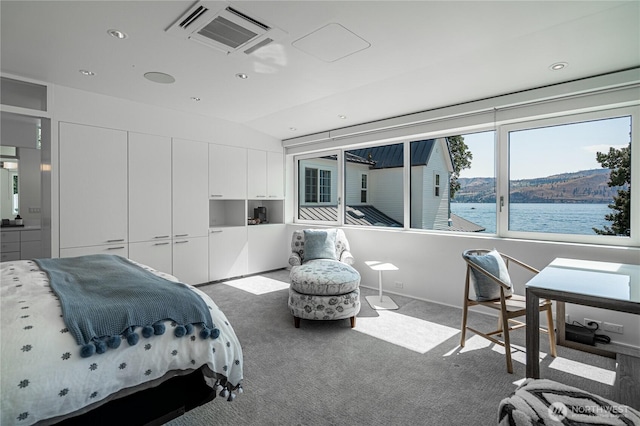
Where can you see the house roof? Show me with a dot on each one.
(463, 225)
(388, 156)
(360, 215)
(371, 216)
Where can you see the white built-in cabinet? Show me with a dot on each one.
(191, 259)
(149, 187)
(190, 208)
(266, 174)
(267, 243)
(93, 189)
(179, 206)
(157, 254)
(150, 200)
(227, 172)
(275, 175)
(228, 252)
(190, 188)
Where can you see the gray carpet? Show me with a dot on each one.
(402, 367)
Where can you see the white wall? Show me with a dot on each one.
(385, 192)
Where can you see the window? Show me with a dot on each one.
(570, 176)
(324, 189)
(317, 188)
(310, 185)
(453, 183)
(374, 182)
(317, 185)
(566, 178)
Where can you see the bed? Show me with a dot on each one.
(50, 375)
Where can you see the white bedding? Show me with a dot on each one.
(42, 374)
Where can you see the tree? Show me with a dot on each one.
(461, 158)
(619, 161)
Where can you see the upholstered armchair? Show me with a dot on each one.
(324, 285)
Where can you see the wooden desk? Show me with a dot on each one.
(605, 285)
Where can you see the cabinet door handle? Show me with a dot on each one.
(181, 242)
(216, 231)
(216, 195)
(261, 196)
(161, 236)
(115, 248)
(181, 235)
(160, 244)
(116, 241)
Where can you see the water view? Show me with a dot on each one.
(538, 217)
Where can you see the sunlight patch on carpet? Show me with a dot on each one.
(402, 330)
(475, 343)
(257, 285)
(587, 371)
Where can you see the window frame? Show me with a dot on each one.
(364, 187)
(296, 187)
(501, 127)
(502, 178)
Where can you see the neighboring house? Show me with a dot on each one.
(372, 177)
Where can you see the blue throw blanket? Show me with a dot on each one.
(105, 297)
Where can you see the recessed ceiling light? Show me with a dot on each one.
(195, 99)
(159, 77)
(87, 72)
(242, 76)
(117, 34)
(342, 117)
(558, 66)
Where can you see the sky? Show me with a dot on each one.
(548, 151)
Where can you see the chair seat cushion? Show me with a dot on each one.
(324, 277)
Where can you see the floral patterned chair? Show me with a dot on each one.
(324, 285)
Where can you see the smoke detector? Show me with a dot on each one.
(227, 29)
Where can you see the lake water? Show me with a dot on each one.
(539, 217)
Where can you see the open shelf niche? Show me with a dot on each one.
(275, 209)
(227, 213)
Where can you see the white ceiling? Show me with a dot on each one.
(422, 55)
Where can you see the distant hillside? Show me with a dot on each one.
(588, 186)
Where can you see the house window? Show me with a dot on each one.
(373, 186)
(569, 176)
(317, 185)
(324, 188)
(311, 185)
(363, 188)
(437, 185)
(317, 188)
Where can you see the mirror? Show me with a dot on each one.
(20, 159)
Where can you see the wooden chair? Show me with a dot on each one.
(509, 306)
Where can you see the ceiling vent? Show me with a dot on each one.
(229, 29)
